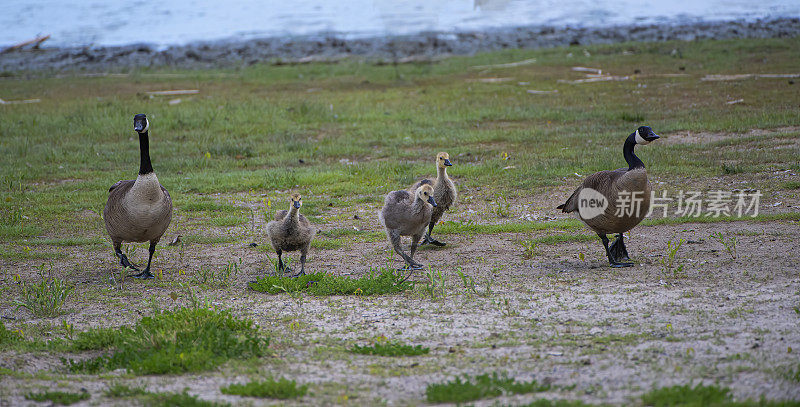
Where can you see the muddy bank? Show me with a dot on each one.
(379, 49)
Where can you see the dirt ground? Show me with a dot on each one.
(561, 316)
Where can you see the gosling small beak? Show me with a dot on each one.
(297, 204)
(432, 201)
(447, 163)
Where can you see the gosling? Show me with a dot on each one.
(140, 210)
(619, 216)
(444, 192)
(404, 214)
(291, 231)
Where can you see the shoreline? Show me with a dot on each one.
(391, 49)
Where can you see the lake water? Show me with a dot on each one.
(162, 23)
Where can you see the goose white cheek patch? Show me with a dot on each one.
(640, 139)
(147, 126)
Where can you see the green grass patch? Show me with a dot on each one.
(59, 397)
(392, 348)
(120, 390)
(704, 396)
(452, 227)
(560, 238)
(557, 403)
(45, 297)
(282, 389)
(461, 390)
(328, 244)
(376, 282)
(185, 340)
(7, 337)
(791, 185)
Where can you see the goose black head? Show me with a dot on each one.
(645, 135)
(297, 201)
(425, 193)
(443, 160)
(140, 123)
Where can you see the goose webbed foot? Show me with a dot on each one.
(428, 239)
(616, 264)
(123, 260)
(301, 273)
(407, 267)
(618, 250)
(144, 275)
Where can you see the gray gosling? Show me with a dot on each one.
(291, 231)
(404, 214)
(140, 210)
(610, 184)
(444, 192)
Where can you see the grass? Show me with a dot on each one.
(59, 397)
(213, 277)
(151, 399)
(704, 396)
(376, 282)
(119, 390)
(282, 389)
(185, 340)
(461, 390)
(252, 126)
(390, 348)
(46, 297)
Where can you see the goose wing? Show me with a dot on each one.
(281, 214)
(603, 181)
(127, 184)
(421, 183)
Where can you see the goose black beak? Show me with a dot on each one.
(432, 201)
(138, 128)
(654, 137)
(448, 163)
(297, 204)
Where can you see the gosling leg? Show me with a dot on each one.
(123, 259)
(303, 253)
(283, 268)
(394, 238)
(611, 260)
(146, 274)
(414, 242)
(429, 239)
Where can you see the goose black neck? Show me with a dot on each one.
(145, 167)
(627, 151)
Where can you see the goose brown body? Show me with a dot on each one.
(138, 210)
(137, 213)
(611, 184)
(627, 194)
(444, 192)
(290, 231)
(407, 214)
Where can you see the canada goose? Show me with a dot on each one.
(622, 190)
(138, 210)
(444, 192)
(404, 214)
(291, 231)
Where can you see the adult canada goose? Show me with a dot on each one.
(291, 231)
(444, 192)
(404, 214)
(138, 210)
(625, 191)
